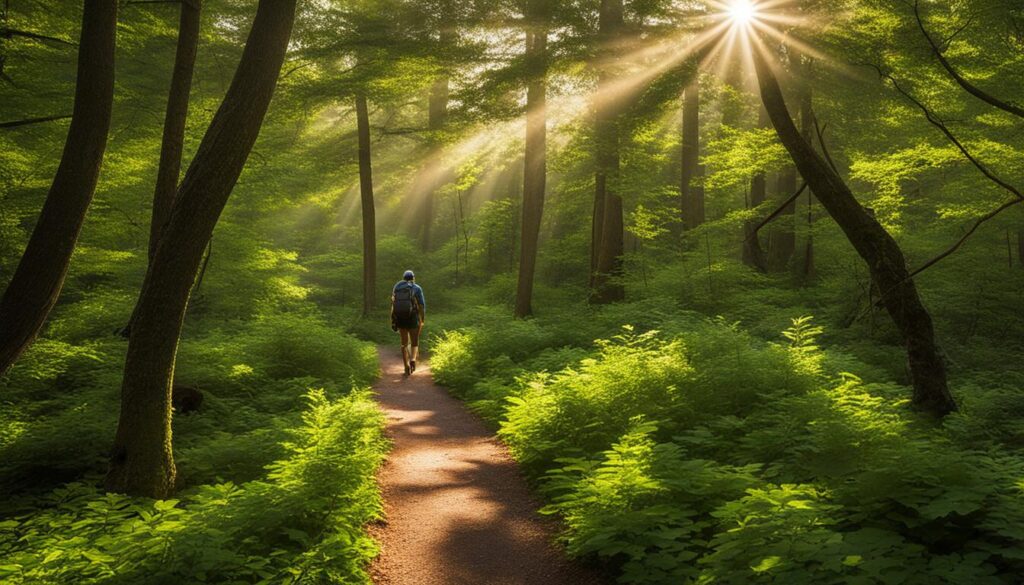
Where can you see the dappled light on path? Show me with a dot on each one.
(458, 511)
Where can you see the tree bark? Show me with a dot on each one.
(691, 192)
(879, 250)
(142, 461)
(437, 117)
(366, 198)
(807, 129)
(609, 245)
(782, 239)
(39, 277)
(535, 167)
(753, 253)
(169, 170)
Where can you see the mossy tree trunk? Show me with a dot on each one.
(142, 461)
(39, 277)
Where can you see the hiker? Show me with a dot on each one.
(408, 313)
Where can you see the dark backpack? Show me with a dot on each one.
(405, 306)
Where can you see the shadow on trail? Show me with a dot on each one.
(458, 510)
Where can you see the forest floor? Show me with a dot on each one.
(458, 510)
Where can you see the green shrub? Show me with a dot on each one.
(305, 519)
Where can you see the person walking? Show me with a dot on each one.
(408, 314)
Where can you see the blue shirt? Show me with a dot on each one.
(417, 291)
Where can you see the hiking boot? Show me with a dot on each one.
(412, 366)
(407, 370)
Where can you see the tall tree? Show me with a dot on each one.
(535, 154)
(142, 461)
(607, 244)
(437, 117)
(169, 170)
(876, 246)
(753, 253)
(39, 277)
(369, 223)
(808, 130)
(691, 191)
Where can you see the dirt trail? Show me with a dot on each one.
(458, 511)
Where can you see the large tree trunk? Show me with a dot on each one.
(169, 170)
(753, 253)
(879, 250)
(691, 192)
(369, 214)
(141, 461)
(609, 245)
(535, 167)
(39, 277)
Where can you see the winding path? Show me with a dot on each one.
(458, 510)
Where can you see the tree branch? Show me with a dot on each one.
(778, 211)
(938, 123)
(26, 122)
(8, 33)
(967, 85)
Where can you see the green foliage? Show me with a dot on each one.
(703, 455)
(302, 522)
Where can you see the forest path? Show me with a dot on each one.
(458, 510)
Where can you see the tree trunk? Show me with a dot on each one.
(782, 237)
(1020, 248)
(691, 193)
(437, 116)
(609, 245)
(879, 250)
(808, 131)
(169, 170)
(142, 461)
(535, 166)
(39, 277)
(366, 197)
(753, 254)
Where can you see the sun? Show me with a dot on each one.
(742, 11)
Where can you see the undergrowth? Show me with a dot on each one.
(685, 450)
(277, 466)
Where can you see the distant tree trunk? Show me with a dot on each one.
(535, 166)
(609, 225)
(782, 238)
(1020, 248)
(366, 197)
(169, 170)
(142, 462)
(39, 277)
(753, 254)
(808, 131)
(879, 250)
(437, 116)
(691, 193)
